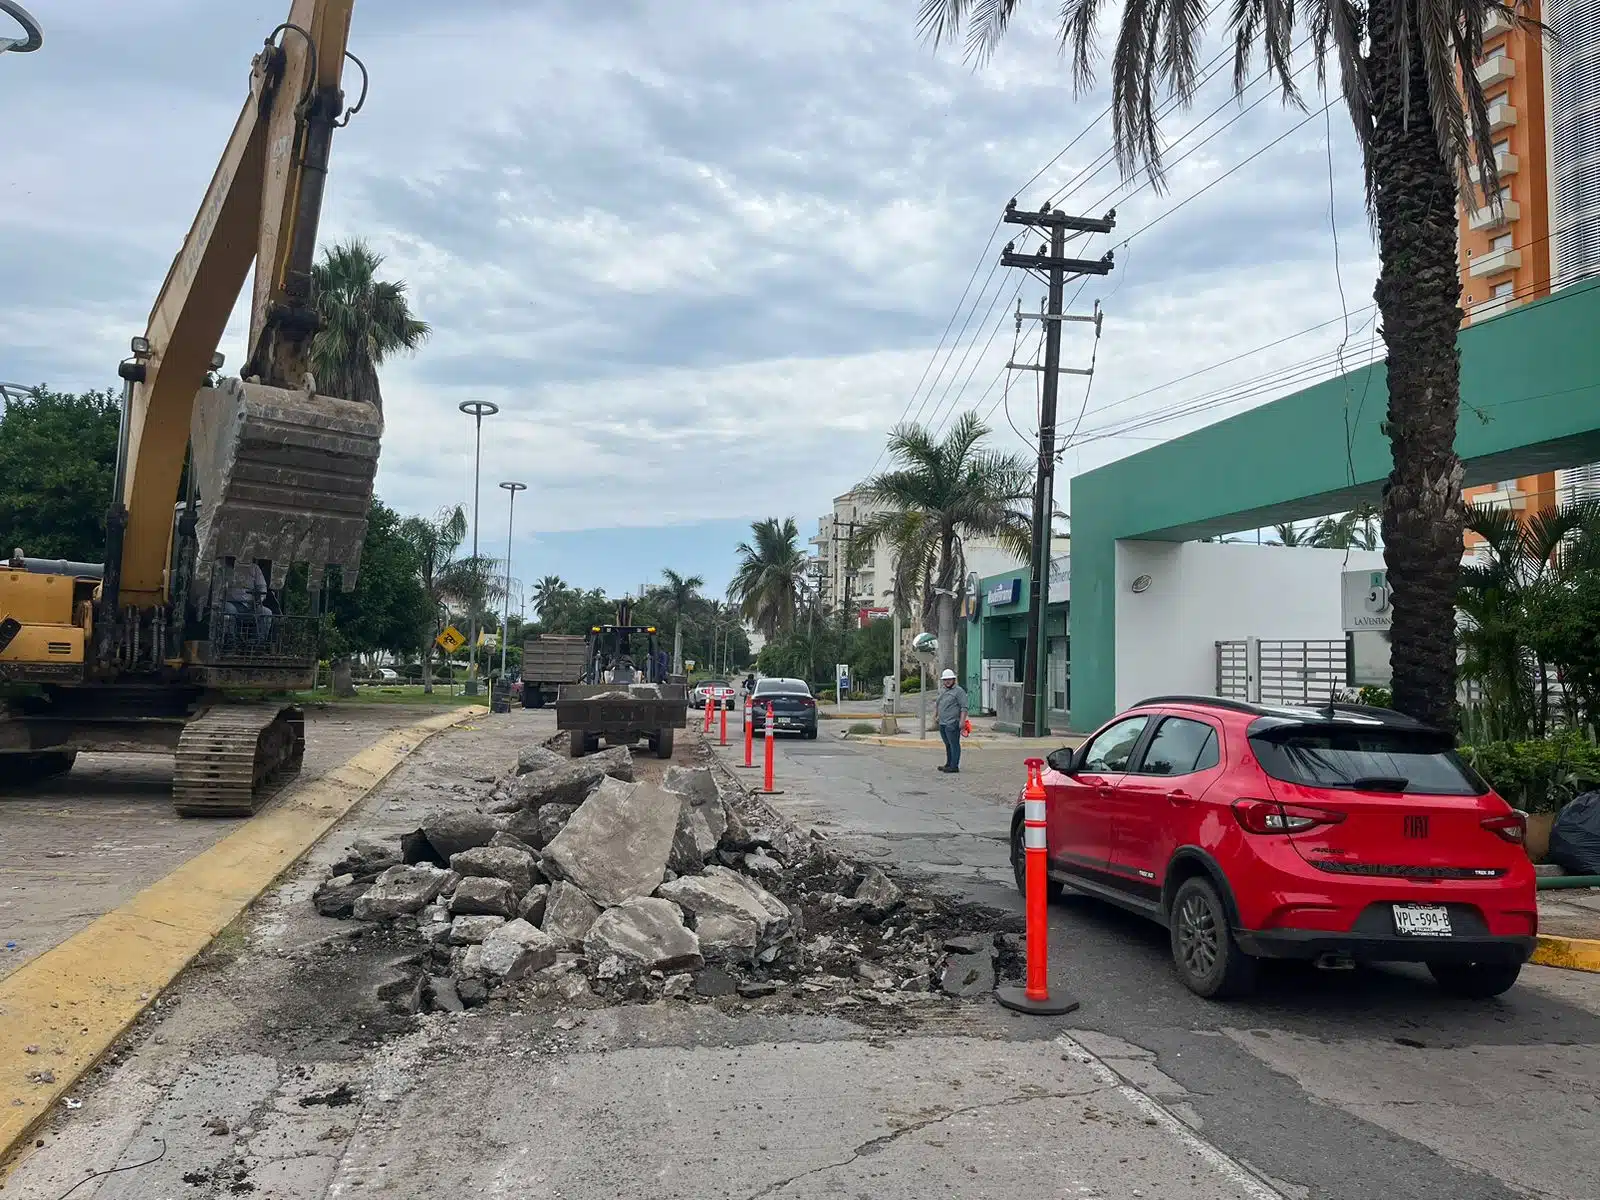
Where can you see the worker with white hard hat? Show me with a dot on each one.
(951, 713)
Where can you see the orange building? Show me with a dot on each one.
(1543, 96)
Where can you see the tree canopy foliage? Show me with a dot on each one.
(58, 454)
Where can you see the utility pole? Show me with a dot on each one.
(847, 574)
(1058, 267)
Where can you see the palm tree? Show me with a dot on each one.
(364, 321)
(766, 586)
(547, 591)
(1287, 533)
(935, 494)
(1348, 531)
(440, 572)
(1407, 70)
(680, 592)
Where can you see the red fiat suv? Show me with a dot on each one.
(1340, 834)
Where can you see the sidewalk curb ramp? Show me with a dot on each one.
(72, 1003)
(1574, 954)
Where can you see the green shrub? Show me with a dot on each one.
(1377, 697)
(1538, 776)
(826, 696)
(863, 727)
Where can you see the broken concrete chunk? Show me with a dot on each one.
(481, 894)
(970, 943)
(873, 975)
(693, 841)
(450, 833)
(367, 856)
(762, 863)
(735, 835)
(725, 893)
(551, 820)
(713, 982)
(337, 896)
(753, 989)
(878, 891)
(967, 975)
(615, 846)
(677, 986)
(514, 949)
(570, 781)
(400, 890)
(724, 937)
(516, 867)
(646, 933)
(696, 784)
(568, 914)
(506, 840)
(471, 928)
(531, 907)
(442, 994)
(537, 758)
(472, 991)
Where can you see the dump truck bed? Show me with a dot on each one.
(614, 710)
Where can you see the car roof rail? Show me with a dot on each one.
(1243, 706)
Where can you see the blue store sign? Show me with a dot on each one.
(1008, 592)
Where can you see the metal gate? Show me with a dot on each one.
(1282, 672)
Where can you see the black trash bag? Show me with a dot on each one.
(1575, 836)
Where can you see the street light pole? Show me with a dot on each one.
(505, 625)
(477, 410)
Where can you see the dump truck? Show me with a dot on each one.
(550, 660)
(625, 695)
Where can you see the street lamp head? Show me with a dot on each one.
(513, 487)
(32, 33)
(479, 408)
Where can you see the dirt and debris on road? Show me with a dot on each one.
(610, 879)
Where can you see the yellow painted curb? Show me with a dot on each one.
(74, 1001)
(932, 742)
(1575, 954)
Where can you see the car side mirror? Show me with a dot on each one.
(1063, 761)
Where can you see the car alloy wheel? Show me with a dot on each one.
(1208, 959)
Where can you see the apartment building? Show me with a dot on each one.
(870, 584)
(1542, 230)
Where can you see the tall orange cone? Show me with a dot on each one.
(749, 763)
(1034, 996)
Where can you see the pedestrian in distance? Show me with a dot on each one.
(952, 715)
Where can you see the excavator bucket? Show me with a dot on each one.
(283, 475)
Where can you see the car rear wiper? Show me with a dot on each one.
(1381, 783)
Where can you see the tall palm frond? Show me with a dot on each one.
(766, 586)
(365, 320)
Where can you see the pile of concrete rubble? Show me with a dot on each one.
(571, 880)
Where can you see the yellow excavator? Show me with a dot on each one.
(151, 649)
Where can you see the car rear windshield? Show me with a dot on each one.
(782, 687)
(1364, 759)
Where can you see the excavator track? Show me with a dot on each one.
(231, 759)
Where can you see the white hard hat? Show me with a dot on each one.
(948, 674)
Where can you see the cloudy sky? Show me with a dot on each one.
(700, 253)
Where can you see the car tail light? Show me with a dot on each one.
(1511, 827)
(1264, 816)
(808, 701)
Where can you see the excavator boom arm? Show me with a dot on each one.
(262, 206)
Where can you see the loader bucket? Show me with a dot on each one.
(283, 475)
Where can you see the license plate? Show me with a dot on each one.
(1422, 920)
(786, 720)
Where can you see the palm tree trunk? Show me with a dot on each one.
(677, 647)
(427, 667)
(1418, 294)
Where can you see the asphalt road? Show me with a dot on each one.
(74, 847)
(1349, 1085)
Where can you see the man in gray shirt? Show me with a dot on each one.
(952, 714)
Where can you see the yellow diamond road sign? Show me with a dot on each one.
(451, 639)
